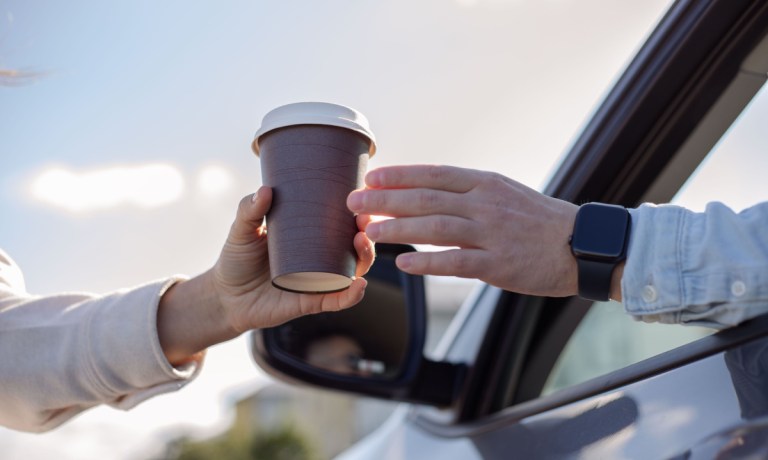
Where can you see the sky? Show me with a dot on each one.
(124, 158)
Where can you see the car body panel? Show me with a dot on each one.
(704, 405)
(399, 438)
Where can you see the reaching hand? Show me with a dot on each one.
(507, 234)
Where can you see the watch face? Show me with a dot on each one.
(600, 231)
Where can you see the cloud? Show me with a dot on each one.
(145, 186)
(214, 180)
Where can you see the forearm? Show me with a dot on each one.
(190, 319)
(64, 353)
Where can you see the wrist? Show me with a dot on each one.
(569, 276)
(189, 319)
(618, 273)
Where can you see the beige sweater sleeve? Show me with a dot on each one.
(62, 354)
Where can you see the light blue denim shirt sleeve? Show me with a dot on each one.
(708, 269)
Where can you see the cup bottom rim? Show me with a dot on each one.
(312, 282)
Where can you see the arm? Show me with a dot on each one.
(681, 267)
(62, 354)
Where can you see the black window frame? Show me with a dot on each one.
(674, 81)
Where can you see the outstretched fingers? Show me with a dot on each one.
(438, 230)
(405, 202)
(415, 190)
(464, 263)
(437, 177)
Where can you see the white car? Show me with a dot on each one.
(527, 377)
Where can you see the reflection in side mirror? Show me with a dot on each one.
(375, 348)
(369, 339)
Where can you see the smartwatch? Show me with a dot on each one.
(599, 243)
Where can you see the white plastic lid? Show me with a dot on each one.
(315, 113)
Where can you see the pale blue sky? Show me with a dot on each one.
(491, 84)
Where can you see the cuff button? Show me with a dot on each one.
(738, 288)
(649, 294)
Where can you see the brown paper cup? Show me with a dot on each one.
(311, 169)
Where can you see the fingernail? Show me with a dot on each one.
(355, 201)
(259, 195)
(404, 261)
(373, 230)
(373, 178)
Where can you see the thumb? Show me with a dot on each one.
(248, 226)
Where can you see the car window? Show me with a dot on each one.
(608, 339)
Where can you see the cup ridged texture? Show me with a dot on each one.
(312, 169)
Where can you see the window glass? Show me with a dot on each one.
(735, 171)
(607, 338)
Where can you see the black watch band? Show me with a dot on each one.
(594, 279)
(599, 243)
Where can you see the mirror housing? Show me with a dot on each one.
(393, 339)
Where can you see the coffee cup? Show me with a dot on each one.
(312, 154)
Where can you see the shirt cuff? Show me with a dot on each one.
(695, 268)
(125, 359)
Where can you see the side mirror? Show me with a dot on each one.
(375, 348)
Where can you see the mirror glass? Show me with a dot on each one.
(369, 339)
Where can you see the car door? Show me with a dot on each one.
(537, 386)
